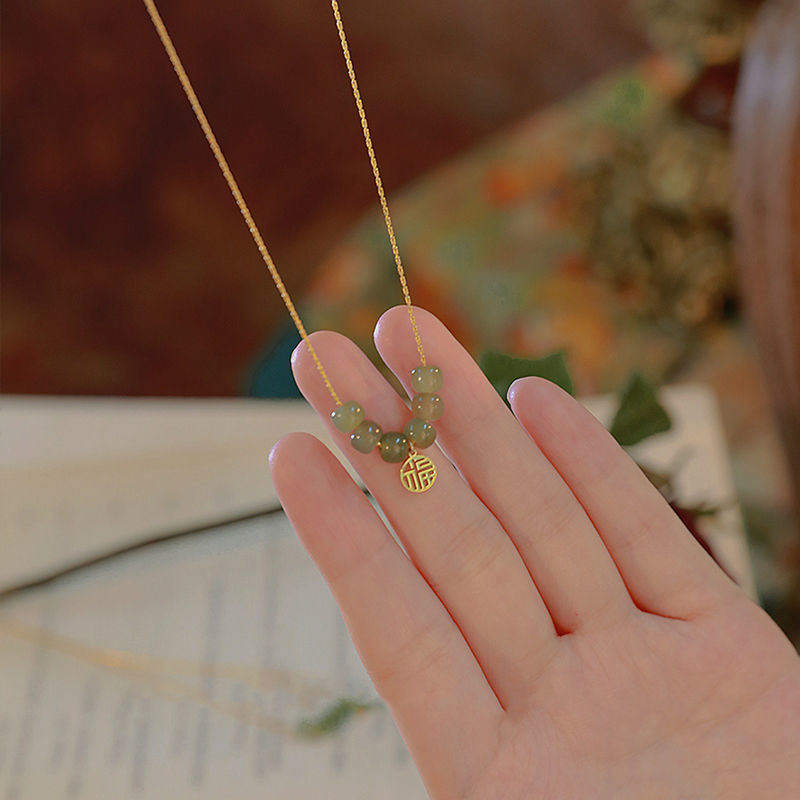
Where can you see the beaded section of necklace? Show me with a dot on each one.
(418, 471)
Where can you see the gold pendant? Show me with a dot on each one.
(417, 473)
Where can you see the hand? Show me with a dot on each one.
(554, 631)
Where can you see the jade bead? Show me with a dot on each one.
(366, 436)
(421, 432)
(394, 447)
(426, 379)
(348, 416)
(427, 406)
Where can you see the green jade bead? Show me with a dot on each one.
(366, 436)
(427, 406)
(426, 379)
(348, 416)
(421, 433)
(394, 447)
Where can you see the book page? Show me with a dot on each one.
(184, 671)
(81, 477)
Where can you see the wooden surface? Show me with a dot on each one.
(767, 158)
(126, 268)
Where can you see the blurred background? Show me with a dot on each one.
(563, 177)
(127, 269)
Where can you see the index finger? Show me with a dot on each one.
(414, 652)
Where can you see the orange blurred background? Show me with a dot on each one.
(126, 267)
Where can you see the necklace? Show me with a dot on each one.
(418, 472)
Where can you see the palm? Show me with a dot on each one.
(655, 706)
(551, 630)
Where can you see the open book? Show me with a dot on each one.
(211, 664)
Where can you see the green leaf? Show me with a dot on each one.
(502, 370)
(333, 717)
(639, 415)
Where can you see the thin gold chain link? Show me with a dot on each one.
(177, 65)
(235, 191)
(377, 174)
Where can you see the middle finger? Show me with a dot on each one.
(453, 539)
(567, 559)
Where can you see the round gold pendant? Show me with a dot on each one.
(417, 473)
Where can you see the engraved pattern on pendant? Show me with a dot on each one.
(417, 473)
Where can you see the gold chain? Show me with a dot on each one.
(242, 205)
(234, 187)
(377, 174)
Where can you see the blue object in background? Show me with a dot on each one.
(271, 375)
